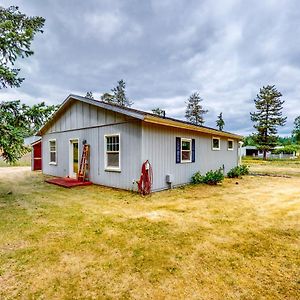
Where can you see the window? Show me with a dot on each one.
(186, 150)
(52, 149)
(216, 143)
(112, 152)
(230, 144)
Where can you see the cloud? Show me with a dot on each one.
(165, 50)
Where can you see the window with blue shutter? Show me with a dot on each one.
(178, 150)
(193, 150)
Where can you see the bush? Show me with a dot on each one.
(211, 177)
(238, 171)
(234, 173)
(196, 178)
(244, 170)
(288, 149)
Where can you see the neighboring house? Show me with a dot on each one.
(28, 141)
(36, 155)
(249, 151)
(121, 139)
(255, 152)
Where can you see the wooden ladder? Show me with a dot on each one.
(83, 172)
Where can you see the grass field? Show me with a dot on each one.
(24, 161)
(233, 241)
(290, 167)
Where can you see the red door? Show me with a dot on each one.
(37, 156)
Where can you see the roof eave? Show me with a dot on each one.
(176, 124)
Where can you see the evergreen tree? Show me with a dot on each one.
(194, 111)
(119, 95)
(16, 34)
(267, 118)
(89, 95)
(220, 122)
(159, 112)
(296, 131)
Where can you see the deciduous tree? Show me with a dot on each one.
(107, 97)
(18, 121)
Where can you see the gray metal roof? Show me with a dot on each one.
(131, 112)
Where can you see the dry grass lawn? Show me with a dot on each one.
(275, 167)
(233, 241)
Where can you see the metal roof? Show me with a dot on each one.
(137, 114)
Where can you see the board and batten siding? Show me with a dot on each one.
(71, 125)
(83, 115)
(159, 147)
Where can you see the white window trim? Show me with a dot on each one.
(230, 149)
(53, 163)
(107, 168)
(186, 160)
(212, 143)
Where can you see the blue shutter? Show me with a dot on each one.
(178, 148)
(193, 150)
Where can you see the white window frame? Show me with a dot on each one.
(230, 149)
(54, 163)
(212, 143)
(185, 140)
(107, 168)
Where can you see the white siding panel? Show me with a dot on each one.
(130, 135)
(159, 147)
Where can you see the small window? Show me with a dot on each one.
(112, 152)
(52, 148)
(230, 144)
(186, 150)
(216, 143)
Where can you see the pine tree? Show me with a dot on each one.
(220, 122)
(89, 95)
(296, 131)
(267, 118)
(194, 110)
(119, 95)
(17, 32)
(159, 112)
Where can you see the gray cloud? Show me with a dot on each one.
(165, 50)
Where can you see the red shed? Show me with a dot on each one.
(36, 161)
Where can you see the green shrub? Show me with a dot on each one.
(244, 170)
(211, 177)
(238, 171)
(196, 178)
(234, 173)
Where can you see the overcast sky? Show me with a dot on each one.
(165, 50)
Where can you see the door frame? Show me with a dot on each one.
(71, 158)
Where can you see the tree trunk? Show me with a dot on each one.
(265, 154)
